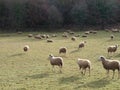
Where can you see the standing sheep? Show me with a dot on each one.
(26, 48)
(58, 61)
(84, 64)
(112, 49)
(62, 50)
(110, 65)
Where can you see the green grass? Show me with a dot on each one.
(32, 71)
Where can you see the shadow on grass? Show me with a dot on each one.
(95, 84)
(17, 54)
(74, 51)
(38, 76)
(70, 79)
(118, 55)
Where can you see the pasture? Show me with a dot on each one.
(31, 70)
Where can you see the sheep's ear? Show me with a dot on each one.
(101, 57)
(50, 55)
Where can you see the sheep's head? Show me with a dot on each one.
(50, 56)
(101, 58)
(85, 42)
(116, 45)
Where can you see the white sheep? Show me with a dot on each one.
(49, 40)
(37, 36)
(112, 48)
(110, 65)
(87, 32)
(58, 61)
(30, 35)
(84, 64)
(62, 50)
(26, 48)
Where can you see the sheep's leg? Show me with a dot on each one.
(89, 71)
(84, 71)
(113, 74)
(107, 73)
(118, 74)
(53, 68)
(60, 69)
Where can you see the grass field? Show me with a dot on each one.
(32, 70)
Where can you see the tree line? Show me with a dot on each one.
(59, 13)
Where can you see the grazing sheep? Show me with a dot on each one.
(87, 32)
(26, 48)
(58, 61)
(47, 36)
(43, 36)
(54, 35)
(77, 35)
(49, 40)
(68, 31)
(84, 64)
(112, 49)
(37, 36)
(94, 32)
(115, 30)
(82, 44)
(84, 35)
(65, 35)
(19, 32)
(112, 36)
(110, 65)
(73, 38)
(62, 50)
(30, 35)
(71, 33)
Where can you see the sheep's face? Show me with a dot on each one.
(101, 58)
(117, 45)
(50, 56)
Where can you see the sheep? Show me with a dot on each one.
(58, 61)
(115, 30)
(84, 35)
(112, 49)
(65, 35)
(19, 32)
(47, 36)
(84, 64)
(94, 32)
(112, 36)
(62, 50)
(49, 40)
(82, 44)
(30, 35)
(71, 33)
(43, 36)
(54, 35)
(77, 35)
(37, 36)
(110, 65)
(26, 48)
(73, 38)
(87, 32)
